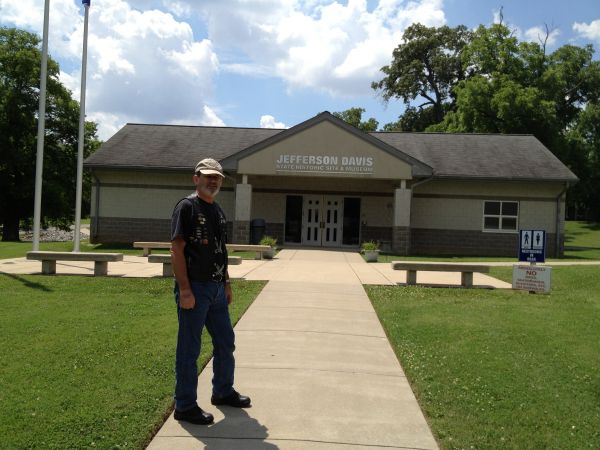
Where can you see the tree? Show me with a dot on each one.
(427, 65)
(583, 142)
(487, 81)
(20, 61)
(353, 116)
(415, 119)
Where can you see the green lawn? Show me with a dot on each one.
(582, 240)
(502, 369)
(89, 362)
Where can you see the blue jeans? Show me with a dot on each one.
(210, 310)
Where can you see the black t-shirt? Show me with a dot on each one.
(204, 228)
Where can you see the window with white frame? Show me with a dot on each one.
(500, 215)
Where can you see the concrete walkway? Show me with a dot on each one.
(372, 273)
(315, 360)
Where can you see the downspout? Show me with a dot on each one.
(96, 220)
(412, 193)
(558, 199)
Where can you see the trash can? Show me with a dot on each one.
(257, 230)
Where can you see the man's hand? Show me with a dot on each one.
(186, 299)
(228, 293)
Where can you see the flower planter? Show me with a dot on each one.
(371, 255)
(269, 253)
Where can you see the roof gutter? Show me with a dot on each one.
(558, 201)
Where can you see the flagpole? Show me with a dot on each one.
(76, 231)
(39, 162)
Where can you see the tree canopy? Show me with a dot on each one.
(20, 62)
(353, 116)
(453, 80)
(425, 67)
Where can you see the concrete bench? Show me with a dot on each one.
(49, 259)
(259, 249)
(148, 246)
(466, 270)
(168, 266)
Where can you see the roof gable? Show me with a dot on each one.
(325, 145)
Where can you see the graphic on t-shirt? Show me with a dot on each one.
(218, 274)
(218, 245)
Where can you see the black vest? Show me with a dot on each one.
(205, 250)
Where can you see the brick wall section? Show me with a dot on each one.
(404, 241)
(123, 230)
(401, 239)
(275, 230)
(241, 232)
(127, 230)
(464, 242)
(376, 234)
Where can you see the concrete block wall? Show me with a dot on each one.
(469, 242)
(241, 232)
(275, 230)
(379, 234)
(401, 240)
(127, 230)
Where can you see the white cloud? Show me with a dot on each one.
(210, 118)
(108, 124)
(180, 9)
(268, 121)
(327, 45)
(590, 31)
(538, 34)
(143, 65)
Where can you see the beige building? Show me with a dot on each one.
(324, 183)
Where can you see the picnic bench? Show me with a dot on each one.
(466, 270)
(49, 259)
(259, 249)
(168, 266)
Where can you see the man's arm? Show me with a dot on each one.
(186, 296)
(228, 290)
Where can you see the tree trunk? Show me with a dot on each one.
(10, 229)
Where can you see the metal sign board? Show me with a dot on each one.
(532, 246)
(532, 278)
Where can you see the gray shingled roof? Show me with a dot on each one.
(172, 147)
(483, 156)
(504, 156)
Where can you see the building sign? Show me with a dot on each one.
(532, 246)
(357, 165)
(532, 278)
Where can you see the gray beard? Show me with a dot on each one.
(210, 193)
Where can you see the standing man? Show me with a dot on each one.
(203, 293)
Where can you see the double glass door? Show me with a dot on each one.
(322, 220)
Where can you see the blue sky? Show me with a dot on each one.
(253, 63)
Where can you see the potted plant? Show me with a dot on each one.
(371, 250)
(271, 242)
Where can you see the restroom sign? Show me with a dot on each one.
(532, 245)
